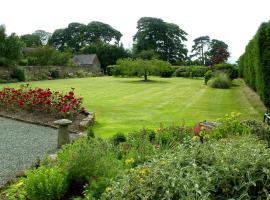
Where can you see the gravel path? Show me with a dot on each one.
(21, 144)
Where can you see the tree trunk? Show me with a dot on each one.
(145, 76)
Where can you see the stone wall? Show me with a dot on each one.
(51, 72)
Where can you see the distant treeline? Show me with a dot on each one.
(254, 64)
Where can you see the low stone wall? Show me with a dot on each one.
(34, 73)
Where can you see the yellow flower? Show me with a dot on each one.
(108, 189)
(195, 138)
(129, 161)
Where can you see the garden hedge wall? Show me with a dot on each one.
(254, 64)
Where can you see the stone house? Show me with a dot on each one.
(88, 60)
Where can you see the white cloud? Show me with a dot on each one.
(233, 21)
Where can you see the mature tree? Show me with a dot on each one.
(218, 52)
(141, 67)
(43, 35)
(58, 39)
(31, 40)
(164, 38)
(108, 54)
(200, 48)
(101, 32)
(77, 35)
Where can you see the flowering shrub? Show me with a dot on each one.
(41, 100)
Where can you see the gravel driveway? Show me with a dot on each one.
(21, 144)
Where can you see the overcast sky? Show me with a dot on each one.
(233, 21)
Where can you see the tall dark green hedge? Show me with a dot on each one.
(254, 64)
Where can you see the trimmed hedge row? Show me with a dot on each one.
(254, 64)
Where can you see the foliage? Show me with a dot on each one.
(88, 161)
(40, 100)
(230, 69)
(259, 129)
(229, 125)
(47, 56)
(139, 67)
(10, 48)
(190, 71)
(45, 183)
(108, 54)
(147, 55)
(167, 72)
(118, 138)
(207, 76)
(220, 80)
(18, 73)
(205, 171)
(218, 52)
(15, 191)
(254, 63)
(166, 39)
(77, 35)
(31, 40)
(200, 48)
(43, 35)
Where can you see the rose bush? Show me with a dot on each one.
(41, 100)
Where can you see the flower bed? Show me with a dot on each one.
(41, 101)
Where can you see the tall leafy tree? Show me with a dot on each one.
(58, 39)
(218, 52)
(166, 39)
(200, 48)
(101, 32)
(31, 40)
(77, 35)
(10, 47)
(43, 35)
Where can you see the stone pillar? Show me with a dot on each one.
(63, 134)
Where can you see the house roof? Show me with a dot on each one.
(84, 59)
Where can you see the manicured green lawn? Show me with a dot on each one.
(126, 104)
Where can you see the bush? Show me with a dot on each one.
(167, 72)
(54, 73)
(18, 73)
(81, 162)
(230, 69)
(119, 138)
(259, 129)
(45, 183)
(229, 125)
(191, 71)
(110, 70)
(207, 76)
(220, 80)
(230, 169)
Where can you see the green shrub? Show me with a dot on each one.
(119, 138)
(229, 125)
(45, 183)
(90, 132)
(190, 71)
(15, 191)
(18, 73)
(54, 73)
(79, 161)
(231, 169)
(220, 80)
(110, 70)
(260, 129)
(230, 69)
(207, 76)
(167, 72)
